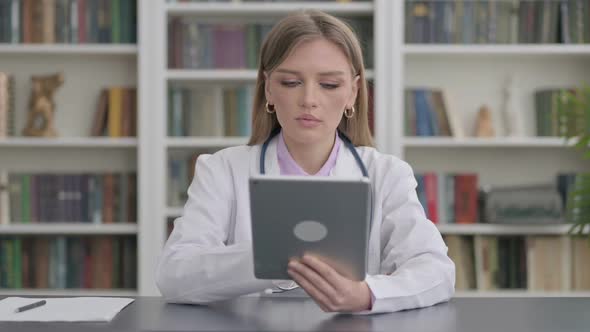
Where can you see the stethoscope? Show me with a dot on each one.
(359, 162)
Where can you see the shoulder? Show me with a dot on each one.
(382, 164)
(227, 163)
(229, 156)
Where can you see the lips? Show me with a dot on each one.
(308, 117)
(308, 121)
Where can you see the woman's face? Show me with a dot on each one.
(311, 89)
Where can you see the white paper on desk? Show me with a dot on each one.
(70, 309)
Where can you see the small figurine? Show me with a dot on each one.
(484, 125)
(40, 120)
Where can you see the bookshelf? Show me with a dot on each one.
(69, 142)
(88, 67)
(65, 228)
(64, 49)
(498, 49)
(267, 9)
(475, 142)
(473, 74)
(499, 229)
(68, 292)
(206, 142)
(500, 161)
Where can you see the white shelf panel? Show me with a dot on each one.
(499, 229)
(267, 9)
(211, 75)
(221, 75)
(499, 49)
(74, 49)
(521, 293)
(173, 212)
(205, 142)
(67, 292)
(68, 229)
(69, 142)
(500, 142)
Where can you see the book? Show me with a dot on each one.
(547, 263)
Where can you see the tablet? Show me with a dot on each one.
(325, 216)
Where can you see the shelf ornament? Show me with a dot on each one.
(41, 116)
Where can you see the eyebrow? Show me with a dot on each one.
(326, 73)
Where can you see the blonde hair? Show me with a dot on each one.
(278, 44)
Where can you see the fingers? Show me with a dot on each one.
(316, 294)
(316, 280)
(324, 270)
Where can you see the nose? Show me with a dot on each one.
(309, 98)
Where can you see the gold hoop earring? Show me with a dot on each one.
(349, 112)
(268, 110)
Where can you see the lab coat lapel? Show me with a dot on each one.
(346, 165)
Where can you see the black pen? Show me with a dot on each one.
(30, 306)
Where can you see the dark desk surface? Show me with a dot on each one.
(301, 314)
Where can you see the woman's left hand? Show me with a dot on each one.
(330, 290)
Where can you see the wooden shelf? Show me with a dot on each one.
(73, 49)
(500, 142)
(69, 142)
(500, 229)
(220, 75)
(68, 229)
(521, 293)
(67, 292)
(497, 49)
(205, 142)
(267, 9)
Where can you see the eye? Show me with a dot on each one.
(329, 86)
(290, 84)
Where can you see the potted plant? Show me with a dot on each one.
(574, 126)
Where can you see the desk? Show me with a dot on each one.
(301, 314)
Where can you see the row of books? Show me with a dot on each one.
(502, 22)
(7, 113)
(551, 117)
(536, 263)
(427, 113)
(213, 111)
(68, 21)
(459, 198)
(83, 262)
(193, 44)
(449, 198)
(86, 198)
(116, 113)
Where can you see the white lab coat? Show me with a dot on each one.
(208, 256)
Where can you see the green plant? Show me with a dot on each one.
(574, 126)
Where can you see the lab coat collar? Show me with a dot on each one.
(346, 165)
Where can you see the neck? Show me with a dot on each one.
(310, 157)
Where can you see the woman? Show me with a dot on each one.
(311, 86)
